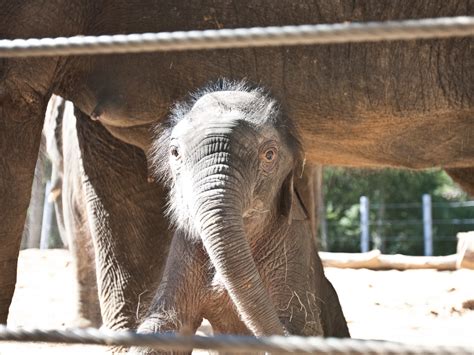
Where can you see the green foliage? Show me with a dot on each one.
(395, 195)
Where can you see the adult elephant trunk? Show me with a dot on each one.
(218, 207)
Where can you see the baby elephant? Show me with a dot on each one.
(243, 255)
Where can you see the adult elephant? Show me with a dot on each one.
(399, 104)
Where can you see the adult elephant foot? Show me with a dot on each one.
(464, 177)
(21, 117)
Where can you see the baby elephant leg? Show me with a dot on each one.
(177, 305)
(334, 322)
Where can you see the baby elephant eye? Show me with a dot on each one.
(270, 154)
(174, 151)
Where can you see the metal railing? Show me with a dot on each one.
(241, 37)
(230, 343)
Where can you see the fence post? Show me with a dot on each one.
(47, 218)
(427, 225)
(364, 224)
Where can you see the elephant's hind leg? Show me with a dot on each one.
(89, 314)
(81, 246)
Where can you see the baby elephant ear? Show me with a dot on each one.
(286, 198)
(295, 199)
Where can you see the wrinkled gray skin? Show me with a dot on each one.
(69, 201)
(399, 104)
(243, 255)
(63, 127)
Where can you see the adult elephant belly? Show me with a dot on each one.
(139, 135)
(401, 104)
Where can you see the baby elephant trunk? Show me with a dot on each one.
(218, 214)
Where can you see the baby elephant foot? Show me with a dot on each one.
(165, 322)
(150, 351)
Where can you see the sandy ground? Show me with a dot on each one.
(408, 306)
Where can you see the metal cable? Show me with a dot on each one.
(274, 344)
(241, 37)
(453, 204)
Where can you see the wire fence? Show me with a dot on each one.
(407, 228)
(241, 37)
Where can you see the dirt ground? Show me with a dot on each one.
(414, 306)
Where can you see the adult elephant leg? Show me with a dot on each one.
(125, 213)
(21, 119)
(76, 226)
(81, 247)
(464, 177)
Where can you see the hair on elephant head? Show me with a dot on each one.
(241, 131)
(230, 156)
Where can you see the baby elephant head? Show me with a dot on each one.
(230, 156)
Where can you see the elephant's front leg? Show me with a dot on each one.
(179, 301)
(22, 108)
(125, 214)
